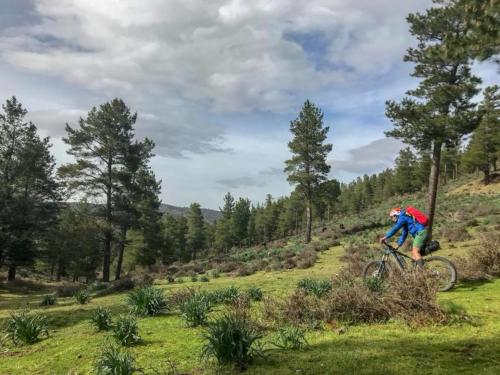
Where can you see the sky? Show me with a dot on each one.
(216, 83)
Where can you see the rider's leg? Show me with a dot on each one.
(415, 253)
(418, 243)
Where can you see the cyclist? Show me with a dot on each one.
(408, 224)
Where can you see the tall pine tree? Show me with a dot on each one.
(308, 168)
(439, 111)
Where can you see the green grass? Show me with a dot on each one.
(467, 348)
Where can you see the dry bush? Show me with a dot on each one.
(411, 297)
(289, 263)
(356, 256)
(298, 309)
(483, 210)
(278, 243)
(455, 234)
(180, 296)
(68, 290)
(485, 261)
(228, 266)
(306, 259)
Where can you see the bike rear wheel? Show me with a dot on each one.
(443, 271)
(377, 269)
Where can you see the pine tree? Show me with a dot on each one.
(481, 19)
(102, 147)
(239, 221)
(28, 191)
(405, 172)
(196, 230)
(483, 150)
(308, 168)
(439, 111)
(224, 239)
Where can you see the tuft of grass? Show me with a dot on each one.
(23, 328)
(319, 288)
(195, 310)
(115, 361)
(291, 337)
(225, 295)
(101, 319)
(147, 301)
(254, 293)
(82, 296)
(204, 279)
(232, 339)
(48, 300)
(126, 330)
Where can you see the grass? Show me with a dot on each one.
(465, 347)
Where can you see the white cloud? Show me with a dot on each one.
(230, 55)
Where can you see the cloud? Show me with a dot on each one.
(240, 182)
(232, 56)
(370, 158)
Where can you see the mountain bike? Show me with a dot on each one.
(438, 267)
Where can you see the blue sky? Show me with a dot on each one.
(216, 83)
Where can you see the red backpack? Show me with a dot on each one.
(417, 215)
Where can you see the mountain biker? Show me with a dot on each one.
(407, 224)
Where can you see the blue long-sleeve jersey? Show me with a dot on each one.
(408, 224)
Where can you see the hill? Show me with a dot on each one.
(466, 343)
(209, 214)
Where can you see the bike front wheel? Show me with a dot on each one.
(442, 271)
(377, 269)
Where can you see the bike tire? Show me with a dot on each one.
(451, 277)
(376, 265)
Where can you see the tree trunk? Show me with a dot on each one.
(106, 264)
(121, 250)
(309, 221)
(433, 185)
(12, 273)
(486, 175)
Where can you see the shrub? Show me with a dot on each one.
(306, 259)
(194, 278)
(101, 319)
(178, 297)
(26, 329)
(375, 284)
(356, 256)
(126, 331)
(204, 279)
(114, 361)
(291, 337)
(317, 287)
(297, 309)
(82, 296)
(118, 286)
(147, 301)
(98, 285)
(485, 263)
(195, 310)
(48, 300)
(254, 293)
(232, 339)
(455, 234)
(68, 290)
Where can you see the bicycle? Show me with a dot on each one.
(441, 268)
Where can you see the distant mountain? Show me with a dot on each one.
(208, 214)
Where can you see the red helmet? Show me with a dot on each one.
(396, 211)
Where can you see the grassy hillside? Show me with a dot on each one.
(468, 346)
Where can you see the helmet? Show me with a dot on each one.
(395, 212)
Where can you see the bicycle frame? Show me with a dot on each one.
(391, 251)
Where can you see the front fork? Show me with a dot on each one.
(381, 269)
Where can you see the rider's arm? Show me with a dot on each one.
(404, 234)
(395, 228)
